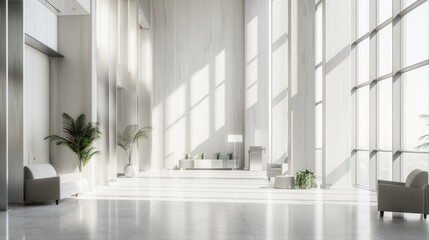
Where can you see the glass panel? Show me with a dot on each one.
(407, 3)
(319, 163)
(385, 50)
(384, 10)
(384, 166)
(416, 35)
(362, 174)
(411, 161)
(385, 114)
(363, 61)
(319, 123)
(363, 17)
(416, 102)
(319, 81)
(363, 117)
(319, 34)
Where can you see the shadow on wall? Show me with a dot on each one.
(336, 60)
(338, 173)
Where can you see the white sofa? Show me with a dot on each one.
(43, 184)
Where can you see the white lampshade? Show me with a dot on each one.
(235, 138)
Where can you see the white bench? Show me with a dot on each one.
(43, 184)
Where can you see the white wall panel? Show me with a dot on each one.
(51, 30)
(36, 109)
(40, 19)
(41, 23)
(30, 17)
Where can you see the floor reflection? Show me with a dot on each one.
(209, 205)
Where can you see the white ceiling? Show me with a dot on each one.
(68, 7)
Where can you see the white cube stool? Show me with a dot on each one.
(284, 182)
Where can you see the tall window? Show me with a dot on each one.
(319, 63)
(391, 78)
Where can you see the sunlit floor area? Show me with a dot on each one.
(209, 205)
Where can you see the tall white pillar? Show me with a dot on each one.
(302, 86)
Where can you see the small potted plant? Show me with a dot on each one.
(187, 156)
(217, 156)
(230, 156)
(202, 155)
(305, 179)
(187, 161)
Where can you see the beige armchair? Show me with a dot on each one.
(410, 197)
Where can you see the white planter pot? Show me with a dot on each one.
(130, 171)
(186, 163)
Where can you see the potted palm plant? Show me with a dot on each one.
(127, 139)
(79, 137)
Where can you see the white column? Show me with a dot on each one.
(257, 74)
(302, 86)
(372, 96)
(396, 91)
(337, 93)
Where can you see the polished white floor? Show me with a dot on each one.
(234, 205)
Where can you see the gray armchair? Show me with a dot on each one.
(410, 197)
(276, 169)
(43, 184)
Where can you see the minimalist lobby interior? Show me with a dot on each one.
(214, 119)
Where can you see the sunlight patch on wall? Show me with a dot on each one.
(175, 120)
(220, 76)
(279, 70)
(200, 85)
(280, 134)
(252, 39)
(252, 83)
(175, 140)
(279, 19)
(175, 105)
(200, 123)
(220, 68)
(219, 107)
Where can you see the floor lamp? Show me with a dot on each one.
(235, 139)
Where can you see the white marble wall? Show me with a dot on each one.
(70, 88)
(36, 107)
(257, 84)
(197, 78)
